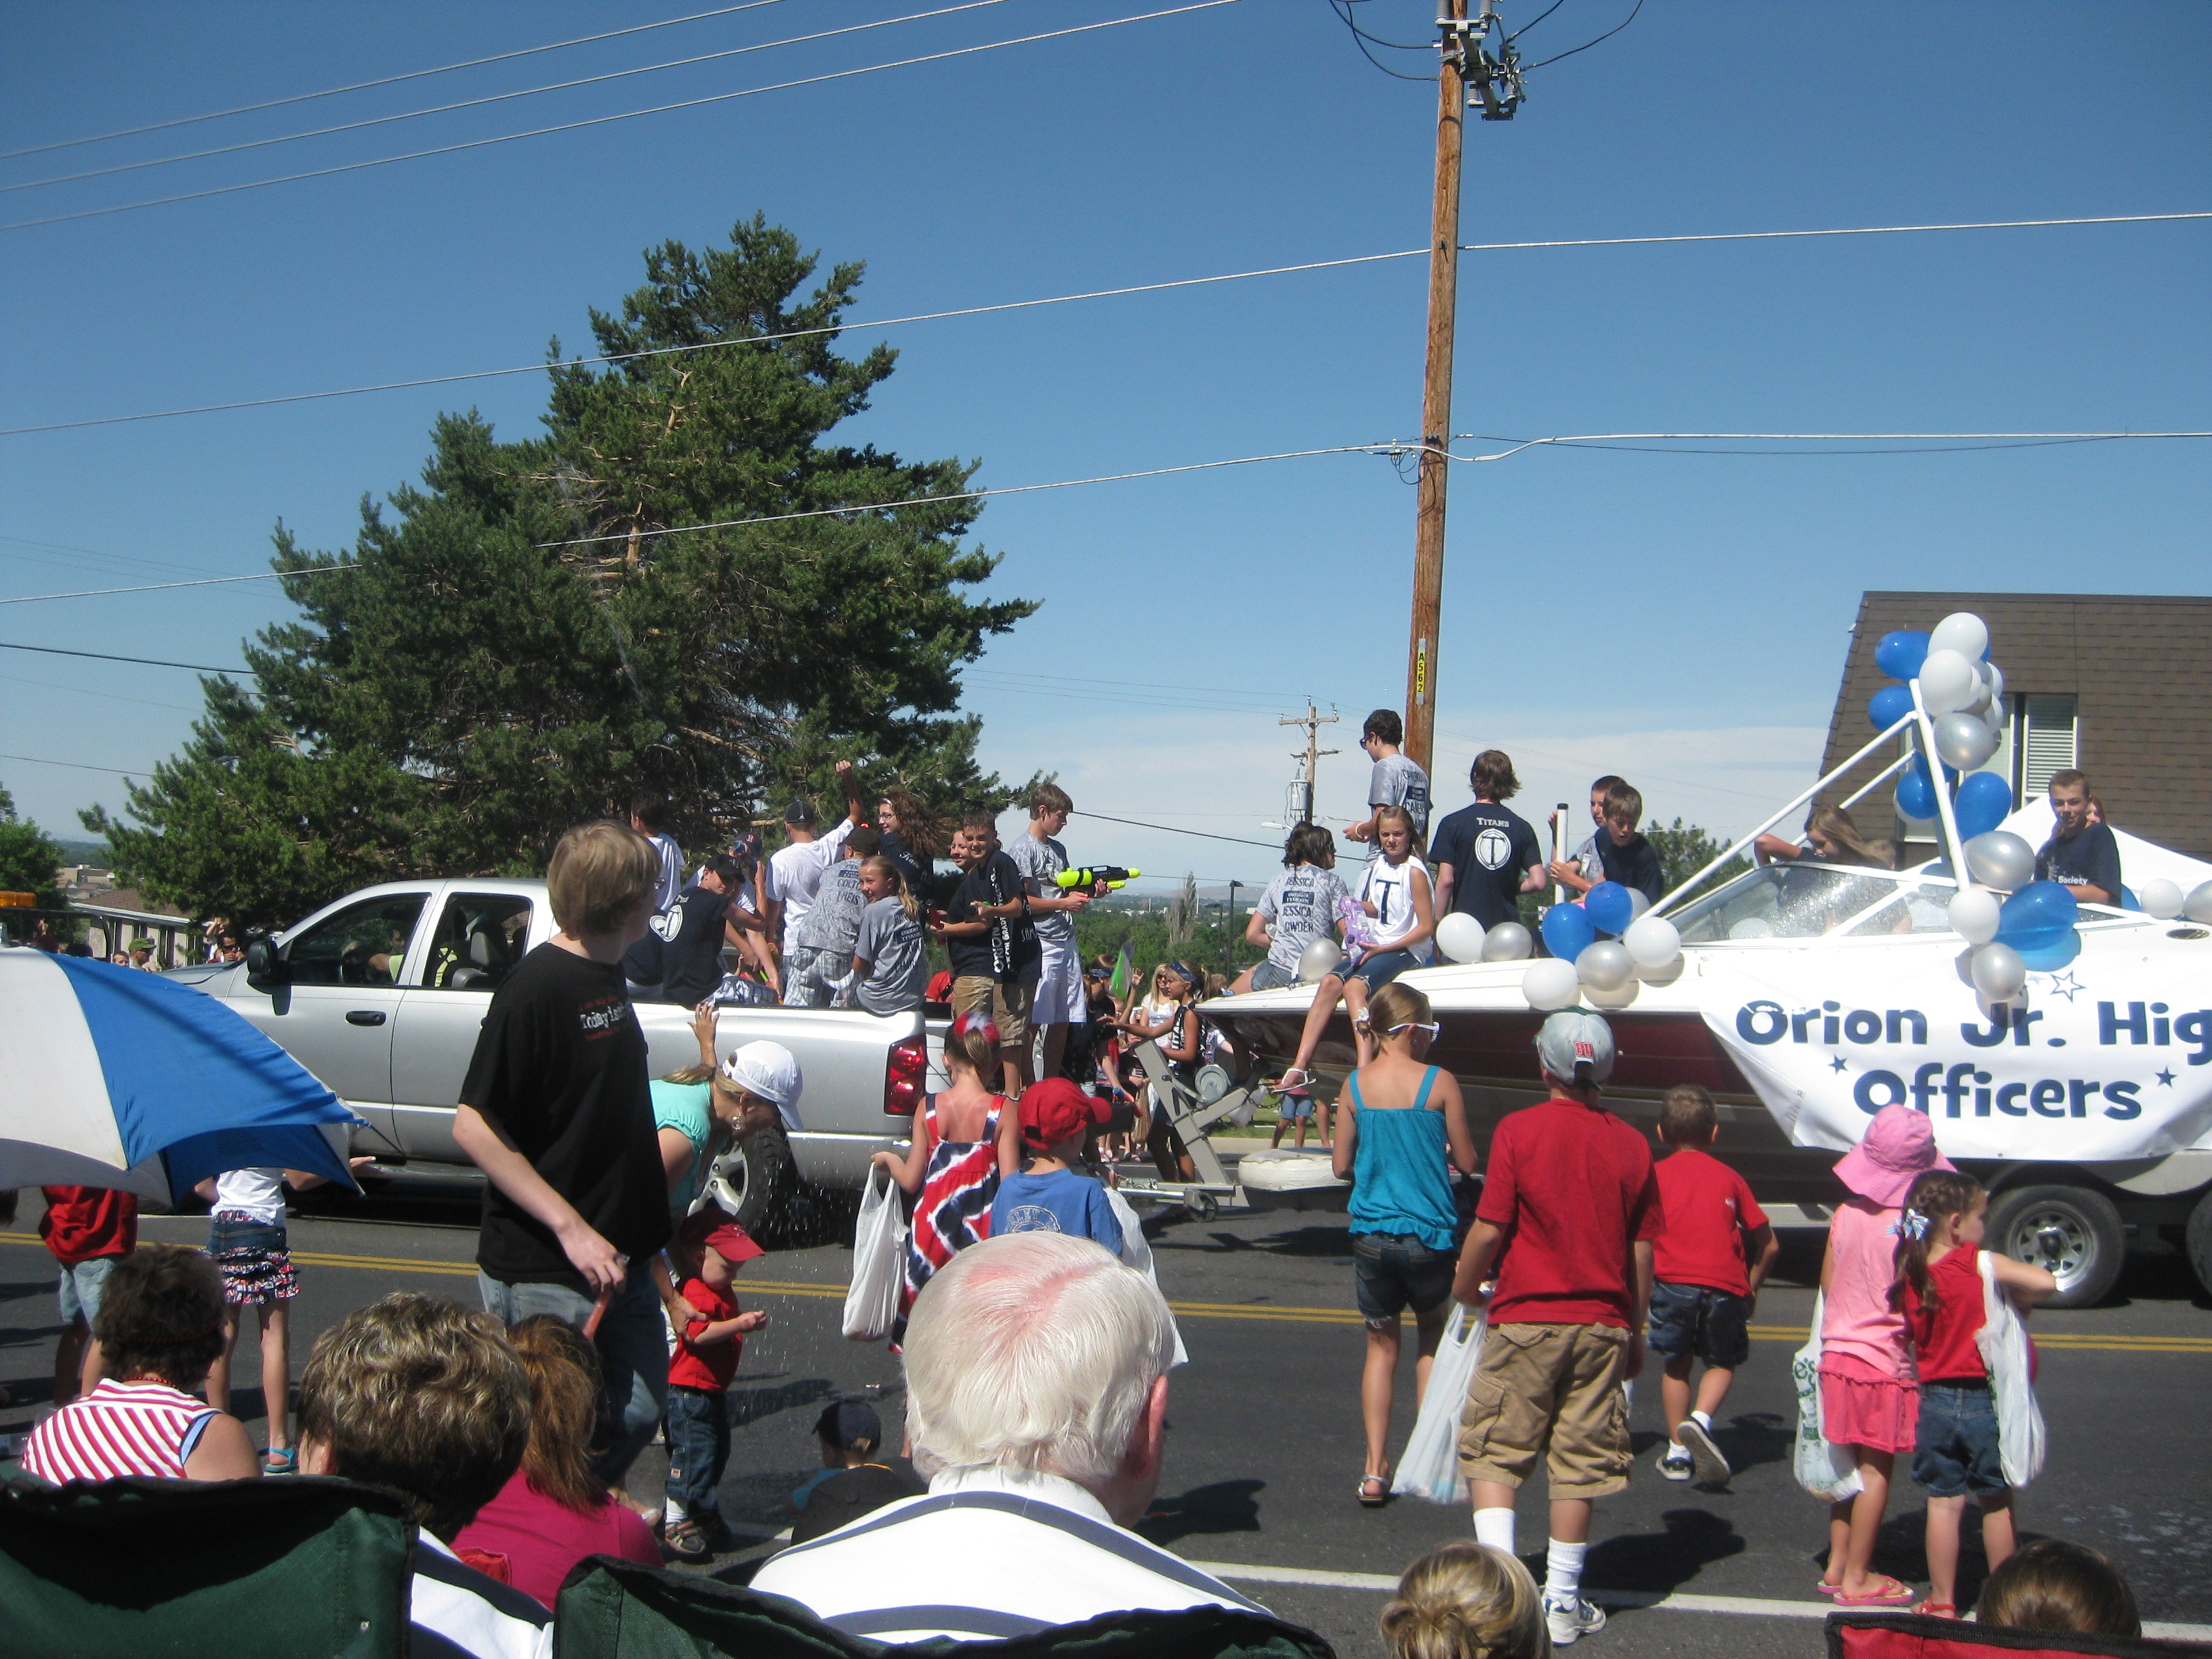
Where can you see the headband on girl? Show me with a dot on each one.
(975, 1025)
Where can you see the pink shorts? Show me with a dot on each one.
(1862, 1407)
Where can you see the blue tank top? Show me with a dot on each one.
(1401, 1179)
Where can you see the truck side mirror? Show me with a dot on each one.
(263, 965)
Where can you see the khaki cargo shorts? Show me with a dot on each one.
(1553, 1390)
(1008, 1005)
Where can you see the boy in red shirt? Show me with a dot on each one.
(1703, 1293)
(703, 1365)
(1570, 1200)
(89, 1229)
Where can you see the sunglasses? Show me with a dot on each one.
(1414, 1025)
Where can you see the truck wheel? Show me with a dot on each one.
(2071, 1230)
(762, 1180)
(2199, 1240)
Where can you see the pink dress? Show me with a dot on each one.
(954, 1209)
(1869, 1393)
(542, 1538)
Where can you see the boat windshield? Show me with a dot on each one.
(1805, 899)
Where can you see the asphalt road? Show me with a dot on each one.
(1265, 1448)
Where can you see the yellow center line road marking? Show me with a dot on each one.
(1265, 1311)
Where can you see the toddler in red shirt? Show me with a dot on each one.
(89, 1229)
(1713, 1252)
(703, 1365)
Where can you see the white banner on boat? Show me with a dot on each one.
(2110, 1058)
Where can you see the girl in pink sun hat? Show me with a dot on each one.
(1869, 1393)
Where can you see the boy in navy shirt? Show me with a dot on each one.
(1048, 1196)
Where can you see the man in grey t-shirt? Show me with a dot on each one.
(820, 957)
(1396, 781)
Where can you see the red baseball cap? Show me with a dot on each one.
(1055, 1110)
(732, 1243)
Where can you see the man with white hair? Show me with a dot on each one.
(1037, 1402)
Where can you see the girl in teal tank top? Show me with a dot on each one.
(1402, 1127)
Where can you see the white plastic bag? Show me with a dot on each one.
(878, 1249)
(1824, 1470)
(1429, 1466)
(2002, 1340)
(1137, 1252)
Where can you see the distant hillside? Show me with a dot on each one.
(85, 852)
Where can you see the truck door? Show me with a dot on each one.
(479, 940)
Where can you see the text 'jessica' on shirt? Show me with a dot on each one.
(1489, 848)
(1398, 780)
(1040, 859)
(890, 943)
(1298, 908)
(1706, 1210)
(1572, 1187)
(559, 1069)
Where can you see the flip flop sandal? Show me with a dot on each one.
(1827, 1588)
(1380, 1498)
(1933, 1609)
(1890, 1594)
(1284, 1086)
(285, 1461)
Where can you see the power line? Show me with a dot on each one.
(604, 121)
(1068, 299)
(488, 98)
(87, 691)
(165, 587)
(382, 80)
(1168, 828)
(145, 662)
(1587, 45)
(1925, 442)
(79, 766)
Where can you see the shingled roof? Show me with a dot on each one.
(2140, 667)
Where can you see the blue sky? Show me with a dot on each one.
(1678, 619)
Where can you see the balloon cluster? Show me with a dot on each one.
(2163, 899)
(1963, 692)
(1602, 947)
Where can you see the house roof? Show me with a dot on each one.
(2138, 663)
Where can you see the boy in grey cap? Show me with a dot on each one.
(1570, 1190)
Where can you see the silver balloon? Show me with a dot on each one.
(1999, 858)
(1998, 972)
(1637, 904)
(2197, 907)
(1319, 960)
(1665, 976)
(1619, 997)
(2160, 898)
(1963, 742)
(1606, 965)
(1993, 676)
(1551, 983)
(1507, 942)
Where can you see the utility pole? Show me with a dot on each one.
(1314, 720)
(1436, 396)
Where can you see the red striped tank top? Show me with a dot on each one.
(118, 1429)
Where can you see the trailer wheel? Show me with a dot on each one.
(2071, 1230)
(2199, 1240)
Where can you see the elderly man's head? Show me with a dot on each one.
(1036, 1351)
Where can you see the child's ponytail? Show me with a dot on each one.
(888, 871)
(1937, 1194)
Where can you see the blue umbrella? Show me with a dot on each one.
(111, 1076)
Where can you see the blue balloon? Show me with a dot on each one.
(1568, 931)
(1984, 802)
(1916, 794)
(1900, 654)
(1609, 908)
(2041, 914)
(1889, 705)
(2051, 957)
(2128, 899)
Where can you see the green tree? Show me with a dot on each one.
(1686, 849)
(29, 856)
(513, 646)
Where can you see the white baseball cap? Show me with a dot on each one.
(1572, 1039)
(769, 1071)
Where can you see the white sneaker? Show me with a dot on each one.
(1712, 1469)
(1675, 1463)
(1570, 1621)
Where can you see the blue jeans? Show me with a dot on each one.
(633, 1344)
(698, 1449)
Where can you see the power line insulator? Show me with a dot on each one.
(1493, 79)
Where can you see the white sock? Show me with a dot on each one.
(1704, 1420)
(1563, 1572)
(1495, 1528)
(672, 1510)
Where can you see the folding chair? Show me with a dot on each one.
(1913, 1636)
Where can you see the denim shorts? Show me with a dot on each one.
(80, 1287)
(1701, 1322)
(1268, 977)
(1956, 1451)
(1379, 969)
(1391, 1272)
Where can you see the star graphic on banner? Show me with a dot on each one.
(2165, 1079)
(2065, 985)
(1837, 1064)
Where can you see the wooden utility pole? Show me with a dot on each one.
(1313, 722)
(1436, 411)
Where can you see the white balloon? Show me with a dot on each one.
(1551, 983)
(1620, 997)
(1998, 972)
(1507, 942)
(2197, 907)
(1653, 941)
(1637, 904)
(2160, 898)
(1963, 741)
(1318, 960)
(1961, 631)
(1459, 936)
(1993, 676)
(1999, 858)
(1606, 965)
(1751, 927)
(1974, 914)
(1947, 682)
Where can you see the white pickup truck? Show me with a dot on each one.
(381, 994)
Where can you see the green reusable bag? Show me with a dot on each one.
(292, 1568)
